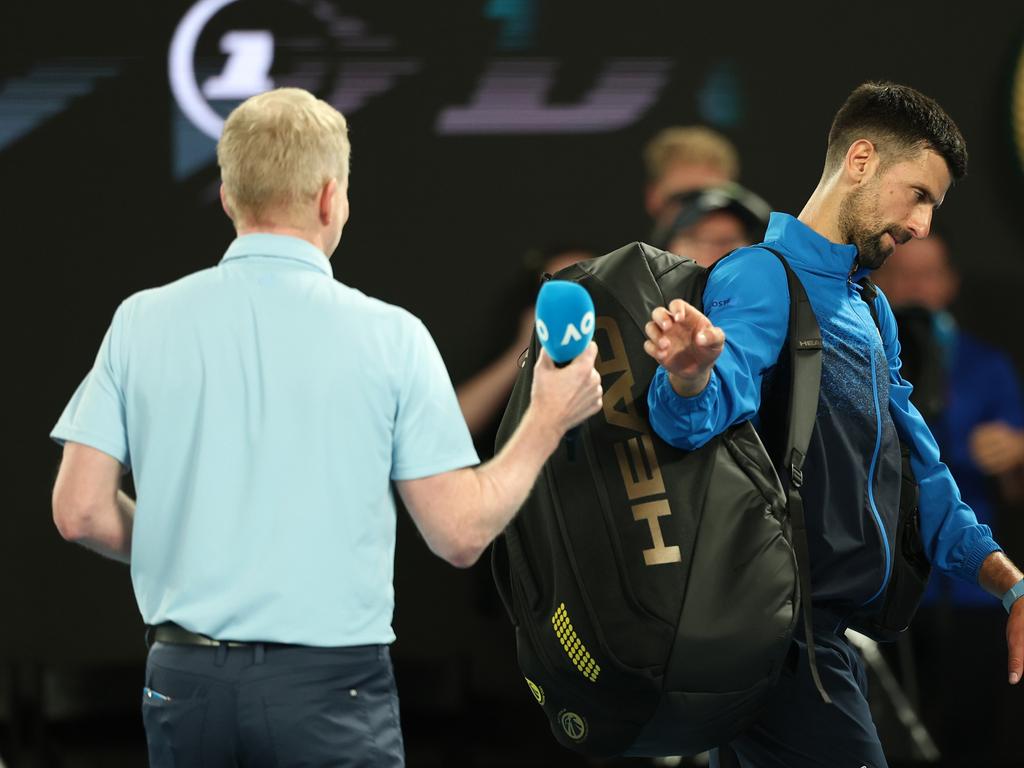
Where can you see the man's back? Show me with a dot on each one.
(262, 401)
(264, 410)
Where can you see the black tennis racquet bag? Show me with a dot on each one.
(655, 591)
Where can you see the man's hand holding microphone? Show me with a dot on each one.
(566, 387)
(461, 511)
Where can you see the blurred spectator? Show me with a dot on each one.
(483, 396)
(706, 224)
(684, 158)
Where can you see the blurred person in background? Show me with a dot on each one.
(707, 223)
(264, 410)
(684, 158)
(969, 393)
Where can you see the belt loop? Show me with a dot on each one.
(260, 653)
(221, 656)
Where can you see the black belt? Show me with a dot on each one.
(169, 632)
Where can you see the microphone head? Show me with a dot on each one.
(565, 319)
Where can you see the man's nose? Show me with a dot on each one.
(920, 223)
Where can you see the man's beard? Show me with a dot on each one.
(865, 229)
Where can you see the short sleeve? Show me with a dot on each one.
(431, 435)
(95, 416)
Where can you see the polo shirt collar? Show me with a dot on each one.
(278, 247)
(812, 251)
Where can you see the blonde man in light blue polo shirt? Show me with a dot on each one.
(264, 410)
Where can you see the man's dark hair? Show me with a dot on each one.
(900, 121)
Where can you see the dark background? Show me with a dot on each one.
(94, 210)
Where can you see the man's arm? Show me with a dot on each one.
(998, 575)
(460, 512)
(956, 543)
(954, 539)
(89, 507)
(711, 365)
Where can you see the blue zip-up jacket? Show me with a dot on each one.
(852, 472)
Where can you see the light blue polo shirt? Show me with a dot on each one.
(264, 409)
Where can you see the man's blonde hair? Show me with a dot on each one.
(278, 149)
(692, 145)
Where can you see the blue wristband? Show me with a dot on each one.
(1013, 594)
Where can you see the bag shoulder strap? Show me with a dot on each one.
(804, 347)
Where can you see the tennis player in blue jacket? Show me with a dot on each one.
(892, 155)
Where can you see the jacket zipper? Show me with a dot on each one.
(874, 465)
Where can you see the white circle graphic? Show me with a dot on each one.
(181, 67)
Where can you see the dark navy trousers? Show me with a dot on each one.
(798, 730)
(271, 706)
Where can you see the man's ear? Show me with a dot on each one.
(224, 203)
(861, 161)
(327, 200)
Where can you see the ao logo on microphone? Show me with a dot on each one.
(565, 319)
(571, 334)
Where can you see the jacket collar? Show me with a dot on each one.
(278, 247)
(810, 250)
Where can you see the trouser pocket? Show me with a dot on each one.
(175, 710)
(174, 729)
(341, 712)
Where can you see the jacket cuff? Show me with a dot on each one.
(684, 422)
(680, 406)
(982, 548)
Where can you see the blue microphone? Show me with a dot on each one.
(565, 326)
(565, 319)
